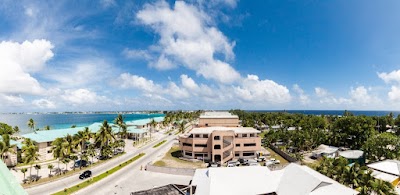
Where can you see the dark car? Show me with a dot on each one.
(102, 157)
(81, 163)
(85, 174)
(243, 161)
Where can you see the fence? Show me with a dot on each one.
(283, 154)
(170, 170)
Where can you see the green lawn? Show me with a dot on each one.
(277, 157)
(171, 159)
(99, 177)
(159, 144)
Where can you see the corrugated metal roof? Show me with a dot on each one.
(8, 183)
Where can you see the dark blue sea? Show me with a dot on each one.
(334, 112)
(60, 121)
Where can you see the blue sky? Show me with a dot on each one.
(218, 54)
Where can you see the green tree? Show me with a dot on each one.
(153, 124)
(24, 170)
(91, 151)
(119, 120)
(31, 154)
(182, 126)
(37, 167)
(5, 129)
(81, 138)
(5, 146)
(104, 137)
(58, 150)
(16, 130)
(31, 124)
(47, 127)
(382, 146)
(50, 167)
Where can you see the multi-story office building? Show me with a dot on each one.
(220, 143)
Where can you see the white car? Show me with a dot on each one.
(231, 165)
(254, 164)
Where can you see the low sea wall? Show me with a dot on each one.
(170, 170)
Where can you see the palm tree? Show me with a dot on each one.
(66, 161)
(104, 136)
(47, 127)
(124, 131)
(121, 144)
(30, 151)
(37, 167)
(81, 138)
(381, 187)
(50, 167)
(58, 150)
(91, 151)
(6, 147)
(24, 170)
(120, 122)
(182, 126)
(153, 124)
(31, 124)
(16, 129)
(74, 158)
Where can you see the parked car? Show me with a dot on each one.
(231, 165)
(275, 161)
(102, 157)
(235, 163)
(242, 161)
(269, 163)
(250, 161)
(214, 164)
(261, 159)
(85, 174)
(81, 163)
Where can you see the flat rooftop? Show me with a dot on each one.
(218, 115)
(208, 130)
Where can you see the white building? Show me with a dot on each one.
(387, 170)
(292, 180)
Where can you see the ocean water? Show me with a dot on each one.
(60, 121)
(335, 112)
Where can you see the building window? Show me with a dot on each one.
(217, 147)
(48, 144)
(188, 153)
(217, 138)
(197, 136)
(244, 135)
(237, 145)
(206, 124)
(186, 144)
(252, 135)
(48, 151)
(205, 135)
(201, 145)
(237, 154)
(248, 153)
(248, 145)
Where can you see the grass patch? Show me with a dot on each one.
(69, 173)
(160, 163)
(99, 177)
(159, 144)
(277, 156)
(171, 159)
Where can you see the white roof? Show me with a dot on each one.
(326, 149)
(387, 166)
(384, 176)
(292, 180)
(351, 154)
(218, 115)
(208, 130)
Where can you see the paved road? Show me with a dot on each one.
(73, 180)
(130, 178)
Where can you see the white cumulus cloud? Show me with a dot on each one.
(393, 76)
(82, 96)
(44, 104)
(18, 61)
(303, 97)
(267, 91)
(188, 38)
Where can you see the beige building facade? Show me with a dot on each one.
(222, 119)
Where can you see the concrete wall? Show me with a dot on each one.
(169, 170)
(44, 151)
(224, 122)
